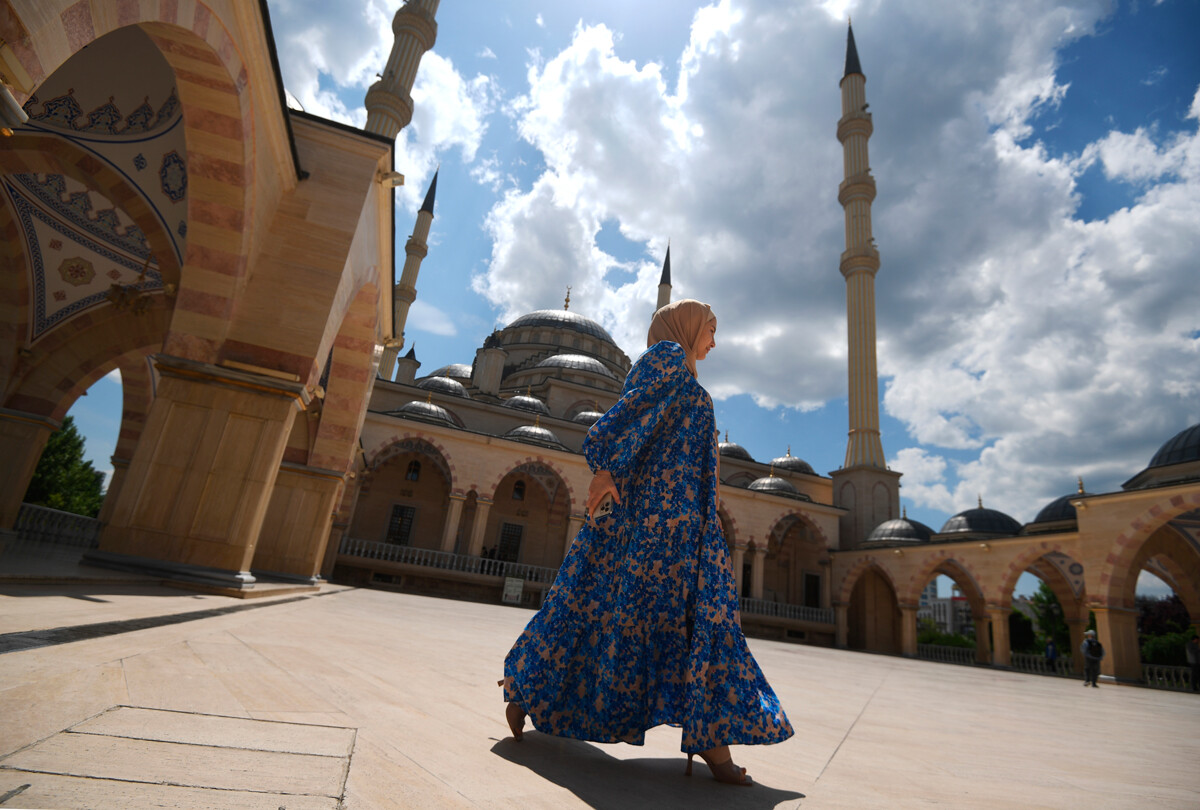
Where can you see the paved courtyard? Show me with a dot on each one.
(122, 693)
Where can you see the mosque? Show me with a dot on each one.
(167, 215)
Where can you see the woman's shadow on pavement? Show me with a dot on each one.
(604, 781)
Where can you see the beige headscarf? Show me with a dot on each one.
(684, 322)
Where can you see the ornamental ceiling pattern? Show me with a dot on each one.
(116, 100)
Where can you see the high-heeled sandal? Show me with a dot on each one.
(515, 714)
(725, 772)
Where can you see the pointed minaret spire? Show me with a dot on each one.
(431, 193)
(852, 65)
(389, 101)
(664, 283)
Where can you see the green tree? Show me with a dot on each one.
(63, 478)
(1051, 622)
(1021, 637)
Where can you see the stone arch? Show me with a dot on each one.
(410, 443)
(944, 561)
(727, 519)
(492, 488)
(856, 570)
(1173, 552)
(533, 528)
(801, 516)
(741, 479)
(797, 552)
(213, 87)
(873, 611)
(1028, 556)
(1117, 567)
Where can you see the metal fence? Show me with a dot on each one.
(41, 529)
(1160, 676)
(761, 607)
(1038, 665)
(946, 655)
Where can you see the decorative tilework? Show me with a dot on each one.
(139, 161)
(59, 295)
(77, 271)
(64, 112)
(182, 229)
(51, 191)
(114, 274)
(173, 176)
(55, 244)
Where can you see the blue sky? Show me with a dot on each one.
(1037, 166)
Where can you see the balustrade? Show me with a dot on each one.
(1038, 665)
(1161, 676)
(42, 529)
(946, 655)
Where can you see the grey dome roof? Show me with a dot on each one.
(586, 417)
(793, 464)
(444, 385)
(1183, 446)
(989, 521)
(527, 403)
(734, 450)
(563, 319)
(460, 370)
(777, 486)
(535, 434)
(576, 362)
(900, 530)
(425, 412)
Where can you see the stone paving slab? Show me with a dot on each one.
(415, 677)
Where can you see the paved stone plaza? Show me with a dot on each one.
(384, 700)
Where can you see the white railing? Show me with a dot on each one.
(1038, 665)
(41, 528)
(1161, 676)
(946, 655)
(445, 560)
(761, 607)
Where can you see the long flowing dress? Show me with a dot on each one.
(641, 627)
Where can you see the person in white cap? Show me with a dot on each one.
(1093, 653)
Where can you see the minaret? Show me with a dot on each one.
(864, 485)
(389, 100)
(664, 283)
(415, 249)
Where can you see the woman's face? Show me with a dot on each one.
(708, 340)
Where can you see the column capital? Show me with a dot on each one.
(32, 418)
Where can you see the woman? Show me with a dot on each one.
(641, 627)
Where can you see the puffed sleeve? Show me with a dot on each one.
(618, 437)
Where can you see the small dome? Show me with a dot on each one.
(444, 385)
(734, 450)
(563, 319)
(793, 464)
(900, 530)
(777, 486)
(523, 402)
(424, 412)
(459, 371)
(986, 521)
(586, 417)
(576, 362)
(535, 434)
(1060, 509)
(1183, 446)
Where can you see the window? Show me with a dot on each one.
(747, 575)
(400, 526)
(414, 471)
(510, 542)
(812, 590)
(519, 491)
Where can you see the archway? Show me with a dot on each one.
(527, 522)
(794, 571)
(873, 620)
(951, 619)
(405, 498)
(1047, 618)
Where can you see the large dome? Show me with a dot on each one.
(563, 319)
(900, 530)
(1183, 446)
(985, 521)
(576, 362)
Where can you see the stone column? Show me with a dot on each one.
(757, 559)
(983, 650)
(198, 486)
(908, 632)
(450, 532)
(739, 560)
(22, 438)
(387, 360)
(841, 618)
(295, 532)
(482, 507)
(1116, 629)
(574, 524)
(1001, 654)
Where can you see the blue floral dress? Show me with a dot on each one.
(641, 626)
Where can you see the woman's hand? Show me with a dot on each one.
(602, 484)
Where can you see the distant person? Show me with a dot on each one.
(641, 627)
(1093, 654)
(1051, 656)
(1192, 648)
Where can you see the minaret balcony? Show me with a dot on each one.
(859, 259)
(855, 123)
(857, 187)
